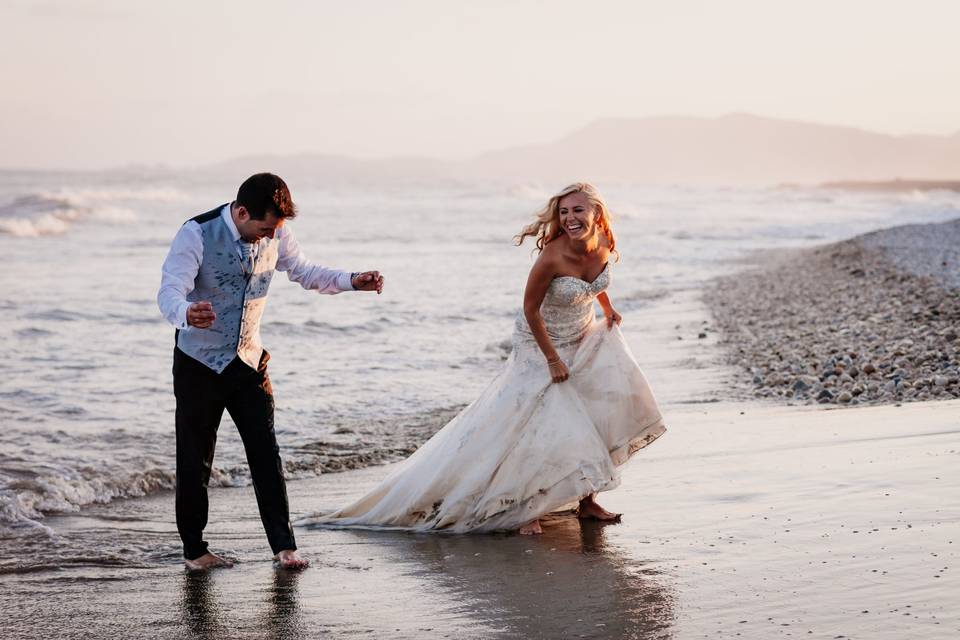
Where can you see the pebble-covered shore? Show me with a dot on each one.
(871, 320)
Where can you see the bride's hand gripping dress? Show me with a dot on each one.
(527, 446)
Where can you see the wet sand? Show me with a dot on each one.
(745, 521)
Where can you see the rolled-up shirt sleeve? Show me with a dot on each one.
(308, 275)
(179, 274)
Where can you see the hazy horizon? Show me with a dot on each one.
(104, 83)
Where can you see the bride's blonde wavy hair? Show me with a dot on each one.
(547, 226)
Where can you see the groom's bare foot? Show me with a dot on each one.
(207, 561)
(530, 529)
(591, 510)
(290, 559)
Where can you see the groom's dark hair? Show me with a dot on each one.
(264, 193)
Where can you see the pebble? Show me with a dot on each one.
(806, 329)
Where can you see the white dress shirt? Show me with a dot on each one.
(186, 253)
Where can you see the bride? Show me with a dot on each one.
(569, 407)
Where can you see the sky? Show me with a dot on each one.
(102, 83)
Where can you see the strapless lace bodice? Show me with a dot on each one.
(567, 309)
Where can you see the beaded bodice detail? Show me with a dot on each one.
(567, 309)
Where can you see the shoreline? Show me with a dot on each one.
(689, 361)
(682, 372)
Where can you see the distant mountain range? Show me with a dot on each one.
(736, 149)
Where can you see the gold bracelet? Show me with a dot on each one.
(554, 361)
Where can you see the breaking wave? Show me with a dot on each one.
(28, 492)
(40, 215)
(53, 213)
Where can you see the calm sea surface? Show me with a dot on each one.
(86, 398)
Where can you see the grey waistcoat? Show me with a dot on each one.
(238, 299)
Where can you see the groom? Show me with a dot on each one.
(213, 290)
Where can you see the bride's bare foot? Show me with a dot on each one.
(591, 510)
(530, 529)
(290, 559)
(207, 561)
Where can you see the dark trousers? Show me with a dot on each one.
(202, 395)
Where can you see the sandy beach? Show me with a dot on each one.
(749, 518)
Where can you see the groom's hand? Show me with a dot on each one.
(368, 281)
(200, 315)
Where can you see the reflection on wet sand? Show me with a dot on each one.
(200, 607)
(283, 618)
(206, 614)
(566, 583)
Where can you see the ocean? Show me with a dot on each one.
(86, 397)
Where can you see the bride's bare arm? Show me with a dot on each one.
(608, 311)
(538, 282)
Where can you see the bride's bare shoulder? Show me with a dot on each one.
(547, 264)
(553, 253)
(555, 249)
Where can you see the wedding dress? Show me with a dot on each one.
(527, 446)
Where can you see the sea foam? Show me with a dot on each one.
(42, 215)
(54, 212)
